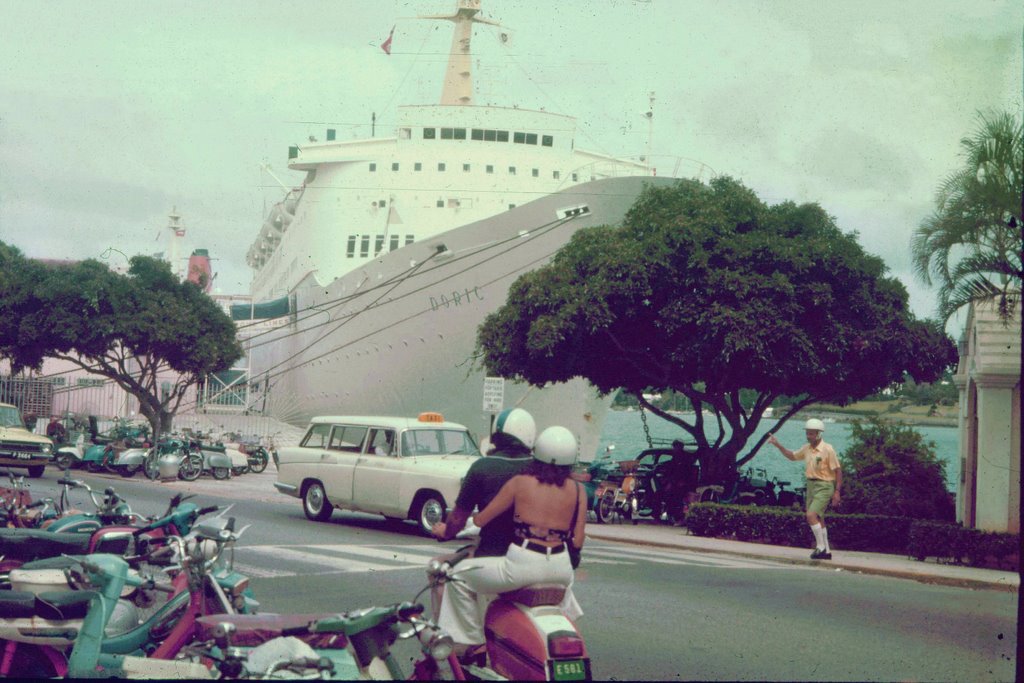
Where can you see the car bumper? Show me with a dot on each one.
(287, 489)
(35, 461)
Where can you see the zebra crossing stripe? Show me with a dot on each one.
(339, 558)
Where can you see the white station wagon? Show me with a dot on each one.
(402, 468)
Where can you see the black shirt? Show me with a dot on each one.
(484, 479)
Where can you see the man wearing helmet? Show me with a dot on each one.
(824, 481)
(511, 443)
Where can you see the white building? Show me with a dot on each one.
(988, 377)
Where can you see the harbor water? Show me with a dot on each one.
(625, 430)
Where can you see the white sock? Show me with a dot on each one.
(824, 538)
(817, 530)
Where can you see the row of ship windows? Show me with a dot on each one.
(488, 135)
(363, 242)
(488, 168)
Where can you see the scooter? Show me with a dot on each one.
(19, 511)
(36, 628)
(529, 638)
(204, 585)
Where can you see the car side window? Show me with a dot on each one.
(436, 442)
(381, 442)
(317, 436)
(347, 438)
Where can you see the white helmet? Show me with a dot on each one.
(518, 423)
(556, 446)
(815, 424)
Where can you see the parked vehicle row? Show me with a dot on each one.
(183, 455)
(70, 610)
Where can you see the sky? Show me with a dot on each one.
(113, 113)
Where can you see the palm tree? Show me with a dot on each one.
(971, 245)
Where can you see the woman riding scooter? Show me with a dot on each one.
(550, 513)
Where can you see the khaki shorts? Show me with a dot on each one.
(819, 495)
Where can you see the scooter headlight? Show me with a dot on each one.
(436, 642)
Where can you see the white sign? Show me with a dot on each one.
(494, 394)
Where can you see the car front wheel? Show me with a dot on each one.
(315, 503)
(36, 472)
(430, 511)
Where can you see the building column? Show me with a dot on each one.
(997, 465)
(964, 419)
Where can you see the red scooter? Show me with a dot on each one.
(529, 638)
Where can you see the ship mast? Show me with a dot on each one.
(458, 80)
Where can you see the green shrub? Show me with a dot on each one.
(891, 468)
(777, 526)
(868, 533)
(955, 544)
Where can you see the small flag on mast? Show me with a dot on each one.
(386, 45)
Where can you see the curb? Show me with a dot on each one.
(935, 579)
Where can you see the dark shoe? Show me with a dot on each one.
(821, 555)
(475, 655)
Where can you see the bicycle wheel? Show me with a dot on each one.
(258, 461)
(191, 467)
(605, 508)
(151, 468)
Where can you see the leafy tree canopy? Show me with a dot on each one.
(890, 469)
(140, 330)
(971, 245)
(708, 291)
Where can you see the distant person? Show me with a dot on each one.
(55, 431)
(824, 481)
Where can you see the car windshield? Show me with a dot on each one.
(437, 442)
(10, 417)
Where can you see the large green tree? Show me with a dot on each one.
(152, 334)
(970, 246)
(708, 291)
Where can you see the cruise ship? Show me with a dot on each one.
(376, 272)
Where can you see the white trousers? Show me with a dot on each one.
(481, 579)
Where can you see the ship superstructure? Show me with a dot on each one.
(392, 251)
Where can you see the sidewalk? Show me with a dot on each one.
(650, 533)
(260, 488)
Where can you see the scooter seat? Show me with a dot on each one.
(32, 544)
(254, 629)
(537, 594)
(52, 605)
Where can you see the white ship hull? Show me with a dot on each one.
(396, 336)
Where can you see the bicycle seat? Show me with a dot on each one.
(537, 594)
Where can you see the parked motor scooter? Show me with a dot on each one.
(751, 487)
(19, 511)
(204, 585)
(36, 629)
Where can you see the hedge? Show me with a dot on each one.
(919, 539)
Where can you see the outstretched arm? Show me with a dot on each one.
(782, 449)
(502, 502)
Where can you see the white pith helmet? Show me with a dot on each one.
(556, 446)
(518, 423)
(815, 424)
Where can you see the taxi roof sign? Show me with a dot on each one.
(431, 417)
